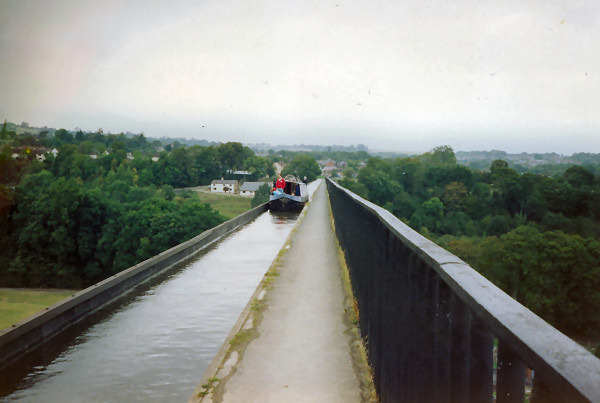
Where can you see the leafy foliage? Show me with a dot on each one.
(262, 195)
(533, 235)
(68, 235)
(302, 165)
(554, 274)
(73, 220)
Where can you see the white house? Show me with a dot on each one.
(224, 186)
(248, 189)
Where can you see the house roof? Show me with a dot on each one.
(251, 186)
(224, 182)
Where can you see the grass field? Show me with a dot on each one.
(19, 304)
(229, 205)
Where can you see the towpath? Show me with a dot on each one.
(307, 348)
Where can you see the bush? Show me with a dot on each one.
(262, 195)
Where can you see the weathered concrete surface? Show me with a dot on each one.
(303, 350)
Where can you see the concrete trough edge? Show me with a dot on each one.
(42, 326)
(223, 352)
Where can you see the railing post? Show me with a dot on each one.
(461, 347)
(394, 372)
(420, 330)
(410, 318)
(443, 343)
(510, 376)
(481, 362)
(541, 393)
(376, 266)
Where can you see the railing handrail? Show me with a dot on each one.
(532, 339)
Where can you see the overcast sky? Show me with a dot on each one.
(394, 75)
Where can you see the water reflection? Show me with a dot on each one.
(155, 344)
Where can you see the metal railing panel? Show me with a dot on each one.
(440, 315)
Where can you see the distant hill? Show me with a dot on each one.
(522, 162)
(265, 147)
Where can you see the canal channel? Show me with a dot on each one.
(154, 344)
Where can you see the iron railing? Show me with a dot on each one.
(438, 331)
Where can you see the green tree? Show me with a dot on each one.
(207, 164)
(429, 215)
(442, 155)
(151, 227)
(57, 223)
(63, 135)
(260, 167)
(375, 177)
(262, 195)
(578, 176)
(355, 186)
(409, 173)
(232, 155)
(118, 150)
(454, 196)
(4, 132)
(302, 165)
(403, 205)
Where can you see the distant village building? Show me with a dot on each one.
(155, 159)
(93, 156)
(28, 152)
(54, 152)
(327, 166)
(129, 156)
(249, 189)
(224, 186)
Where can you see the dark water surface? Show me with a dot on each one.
(155, 344)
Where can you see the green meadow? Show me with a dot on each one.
(19, 304)
(229, 206)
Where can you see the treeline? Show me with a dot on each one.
(62, 232)
(103, 203)
(533, 235)
(350, 157)
(92, 154)
(309, 148)
(548, 164)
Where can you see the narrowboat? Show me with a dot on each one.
(293, 197)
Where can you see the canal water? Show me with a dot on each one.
(154, 344)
